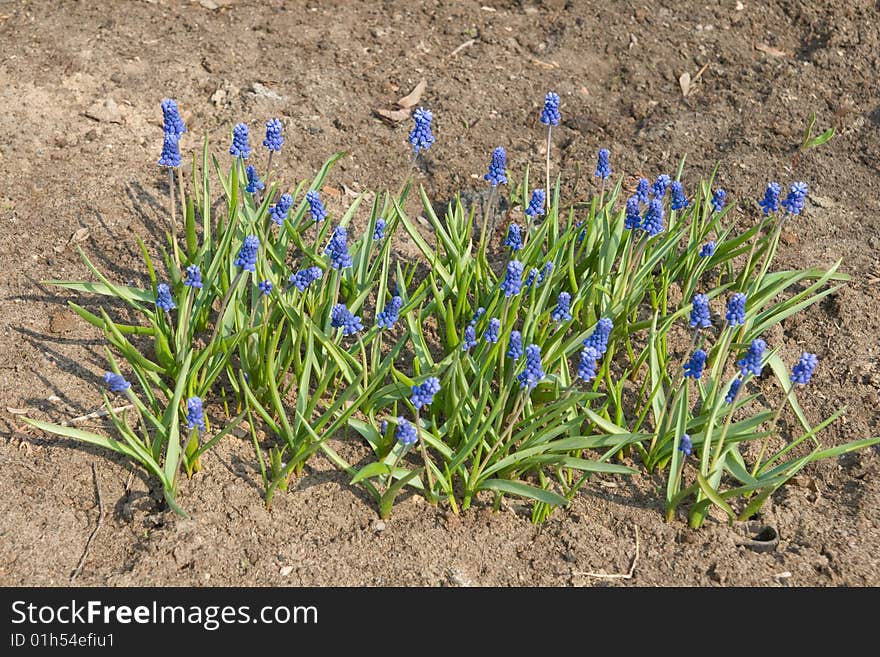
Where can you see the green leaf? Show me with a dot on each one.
(522, 489)
(713, 495)
(371, 470)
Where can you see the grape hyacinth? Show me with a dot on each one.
(514, 345)
(536, 204)
(390, 314)
(562, 310)
(694, 367)
(406, 433)
(492, 331)
(658, 189)
(736, 309)
(421, 137)
(733, 390)
(316, 206)
(170, 151)
(588, 364)
(550, 114)
(379, 229)
(603, 165)
(797, 194)
(423, 394)
(305, 277)
(163, 298)
(265, 287)
(342, 317)
(240, 147)
(383, 427)
(195, 414)
(173, 124)
(707, 250)
(193, 277)
(514, 238)
(718, 200)
(273, 140)
(533, 274)
(254, 183)
(545, 271)
(685, 445)
(533, 372)
(337, 249)
(479, 312)
(751, 362)
(653, 221)
(497, 167)
(116, 382)
(679, 201)
(642, 190)
(802, 372)
(598, 339)
(700, 312)
(512, 283)
(770, 202)
(278, 212)
(247, 255)
(470, 337)
(633, 216)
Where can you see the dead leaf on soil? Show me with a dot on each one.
(773, 52)
(78, 236)
(395, 116)
(685, 83)
(332, 191)
(547, 65)
(410, 101)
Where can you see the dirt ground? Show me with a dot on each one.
(80, 133)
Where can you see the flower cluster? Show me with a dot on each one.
(563, 308)
(497, 167)
(163, 298)
(173, 127)
(653, 221)
(797, 194)
(679, 201)
(423, 394)
(536, 204)
(278, 212)
(718, 200)
(514, 345)
(658, 189)
(694, 367)
(316, 206)
(421, 137)
(273, 140)
(751, 362)
(603, 165)
(733, 390)
(802, 372)
(195, 414)
(116, 382)
(305, 277)
(470, 337)
(342, 317)
(170, 152)
(379, 229)
(708, 249)
(265, 287)
(512, 283)
(337, 249)
(685, 445)
(390, 314)
(240, 147)
(406, 433)
(492, 331)
(514, 238)
(193, 277)
(550, 114)
(700, 312)
(254, 183)
(770, 202)
(533, 371)
(736, 309)
(598, 339)
(247, 255)
(589, 363)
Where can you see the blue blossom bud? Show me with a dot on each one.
(512, 283)
(700, 312)
(316, 206)
(562, 310)
(173, 124)
(751, 362)
(337, 249)
(273, 140)
(536, 204)
(470, 337)
(598, 339)
(195, 414)
(240, 147)
(423, 394)
(265, 287)
(658, 189)
(633, 215)
(379, 229)
(603, 166)
(797, 194)
(694, 367)
(163, 298)
(679, 201)
(588, 364)
(116, 382)
(770, 202)
(305, 277)
(514, 238)
(406, 433)
(550, 114)
(736, 309)
(803, 371)
(718, 200)
(653, 221)
(533, 371)
(278, 212)
(390, 314)
(193, 277)
(514, 345)
(497, 167)
(254, 183)
(642, 190)
(421, 137)
(708, 249)
(247, 255)
(491, 334)
(342, 317)
(170, 151)
(685, 445)
(733, 390)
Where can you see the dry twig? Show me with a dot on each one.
(627, 575)
(100, 523)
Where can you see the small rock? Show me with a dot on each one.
(259, 89)
(92, 135)
(788, 238)
(379, 526)
(104, 111)
(285, 571)
(62, 321)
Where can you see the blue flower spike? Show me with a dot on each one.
(497, 174)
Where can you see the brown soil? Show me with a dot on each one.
(70, 180)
